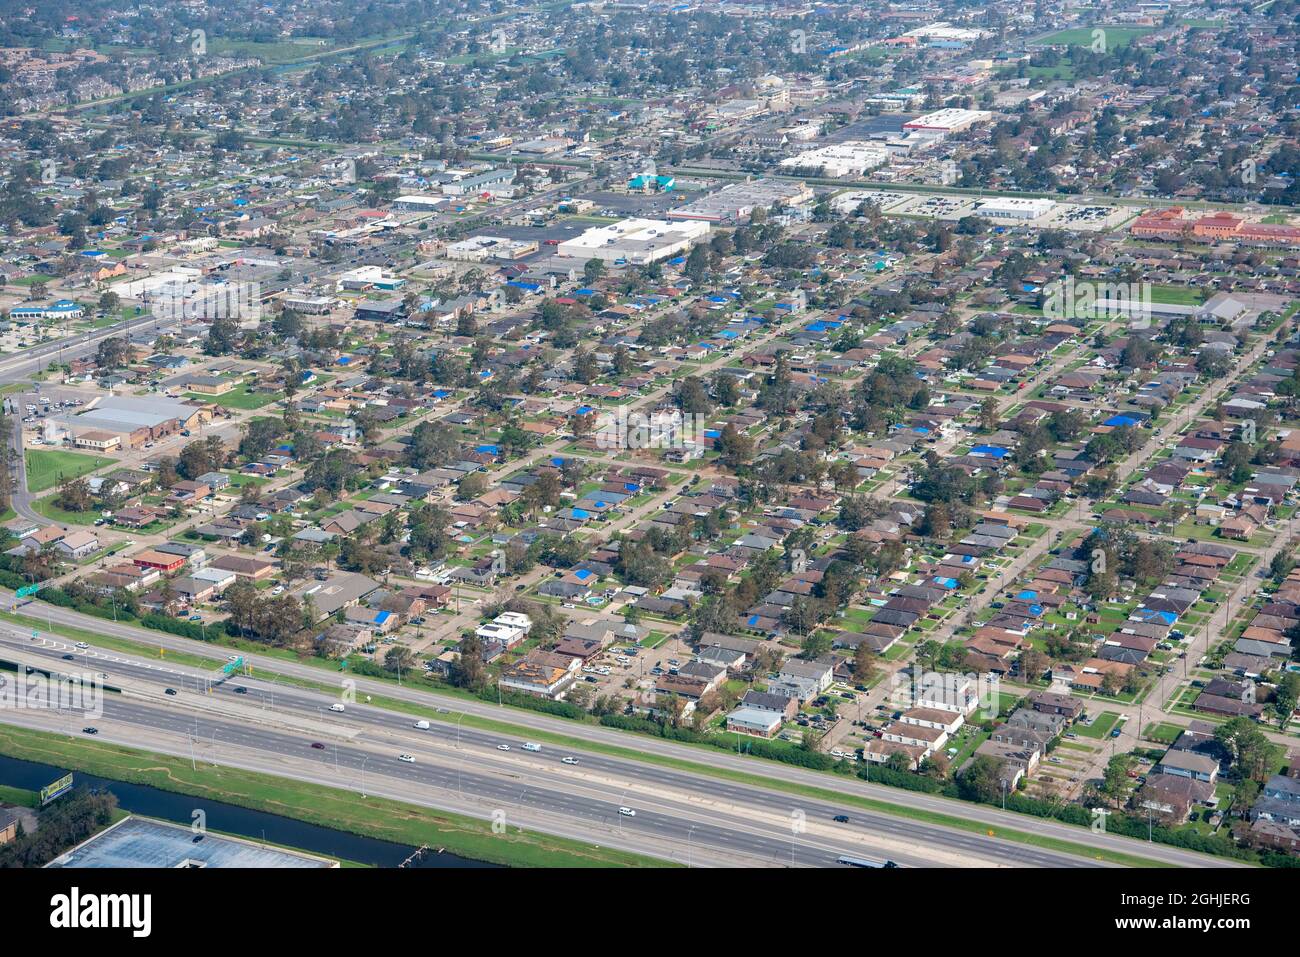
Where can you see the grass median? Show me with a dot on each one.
(631, 753)
(375, 817)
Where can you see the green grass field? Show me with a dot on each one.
(1083, 36)
(238, 398)
(45, 468)
(330, 807)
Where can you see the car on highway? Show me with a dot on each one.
(90, 730)
(82, 646)
(170, 691)
(318, 746)
(627, 812)
(406, 758)
(232, 657)
(241, 690)
(69, 657)
(569, 760)
(841, 819)
(503, 747)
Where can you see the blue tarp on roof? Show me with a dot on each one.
(1116, 421)
(1027, 595)
(946, 582)
(583, 574)
(583, 410)
(581, 513)
(993, 451)
(489, 449)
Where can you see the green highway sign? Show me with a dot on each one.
(27, 590)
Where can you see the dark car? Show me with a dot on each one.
(170, 691)
(69, 657)
(841, 819)
(241, 690)
(318, 746)
(90, 730)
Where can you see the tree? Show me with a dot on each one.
(1114, 782)
(735, 447)
(864, 663)
(1247, 747)
(982, 780)
(223, 337)
(471, 486)
(74, 495)
(433, 444)
(112, 353)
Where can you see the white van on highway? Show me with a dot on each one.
(422, 725)
(336, 707)
(531, 746)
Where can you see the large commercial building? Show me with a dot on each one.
(133, 421)
(737, 202)
(419, 203)
(951, 120)
(478, 248)
(1013, 207)
(634, 241)
(851, 158)
(1170, 223)
(141, 842)
(495, 182)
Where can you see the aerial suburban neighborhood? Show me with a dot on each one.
(638, 434)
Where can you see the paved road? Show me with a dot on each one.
(15, 638)
(735, 821)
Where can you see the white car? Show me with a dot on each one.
(232, 657)
(409, 759)
(503, 747)
(627, 812)
(569, 760)
(82, 645)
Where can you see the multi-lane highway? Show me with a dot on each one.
(466, 769)
(459, 767)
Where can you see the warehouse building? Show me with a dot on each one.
(735, 203)
(951, 120)
(634, 241)
(850, 158)
(1013, 207)
(133, 421)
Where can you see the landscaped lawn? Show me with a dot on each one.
(1115, 37)
(46, 467)
(238, 398)
(1163, 732)
(1099, 728)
